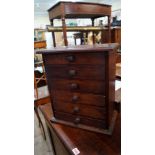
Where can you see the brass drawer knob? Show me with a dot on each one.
(75, 98)
(70, 58)
(77, 120)
(72, 72)
(74, 86)
(76, 110)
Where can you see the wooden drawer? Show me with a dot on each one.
(40, 44)
(78, 58)
(87, 72)
(85, 86)
(76, 98)
(77, 120)
(80, 109)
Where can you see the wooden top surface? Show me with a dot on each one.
(88, 143)
(77, 3)
(82, 48)
(81, 29)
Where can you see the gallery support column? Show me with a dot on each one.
(64, 31)
(109, 29)
(92, 19)
(53, 34)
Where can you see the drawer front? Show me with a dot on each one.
(84, 86)
(41, 44)
(78, 98)
(78, 58)
(76, 119)
(80, 109)
(83, 72)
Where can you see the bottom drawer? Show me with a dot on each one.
(80, 109)
(76, 119)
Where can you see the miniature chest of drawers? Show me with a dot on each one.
(81, 82)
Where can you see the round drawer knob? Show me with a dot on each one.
(72, 72)
(75, 98)
(76, 110)
(77, 120)
(74, 86)
(70, 58)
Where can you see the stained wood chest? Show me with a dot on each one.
(81, 82)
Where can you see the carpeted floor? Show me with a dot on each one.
(40, 145)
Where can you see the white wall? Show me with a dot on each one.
(41, 21)
(116, 5)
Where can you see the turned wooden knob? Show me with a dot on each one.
(72, 72)
(70, 58)
(75, 98)
(76, 110)
(77, 120)
(74, 86)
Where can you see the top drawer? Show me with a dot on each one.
(75, 58)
